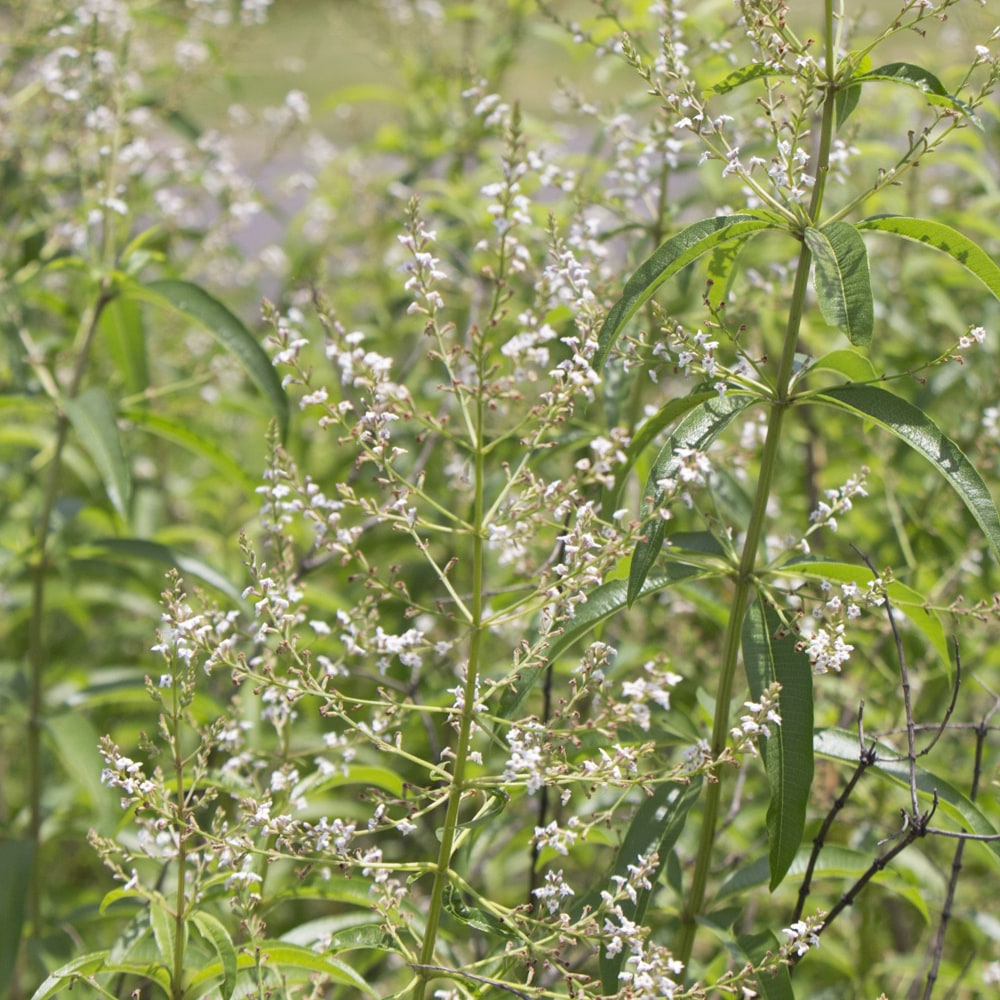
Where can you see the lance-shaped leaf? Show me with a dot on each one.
(297, 964)
(839, 744)
(603, 602)
(195, 303)
(698, 430)
(843, 283)
(182, 433)
(853, 366)
(743, 75)
(16, 859)
(213, 930)
(679, 251)
(93, 419)
(771, 653)
(647, 433)
(721, 270)
(940, 237)
(655, 829)
(916, 429)
(772, 982)
(190, 566)
(907, 878)
(920, 79)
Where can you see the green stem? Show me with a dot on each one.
(746, 573)
(455, 792)
(180, 899)
(37, 647)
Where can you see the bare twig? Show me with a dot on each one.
(937, 949)
(904, 677)
(866, 758)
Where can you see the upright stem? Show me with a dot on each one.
(180, 896)
(746, 573)
(457, 788)
(37, 651)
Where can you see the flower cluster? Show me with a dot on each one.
(757, 722)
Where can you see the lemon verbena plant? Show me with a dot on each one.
(616, 618)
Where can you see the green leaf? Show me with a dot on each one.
(650, 430)
(164, 929)
(84, 965)
(912, 426)
(744, 75)
(190, 566)
(603, 602)
(656, 827)
(920, 79)
(845, 102)
(842, 280)
(940, 237)
(754, 948)
(345, 931)
(906, 878)
(75, 739)
(121, 327)
(698, 430)
(679, 251)
(838, 744)
(721, 270)
(213, 931)
(16, 859)
(195, 303)
(282, 956)
(93, 419)
(853, 366)
(771, 653)
(186, 436)
(356, 774)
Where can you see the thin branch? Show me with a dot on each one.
(951, 705)
(914, 828)
(904, 677)
(866, 758)
(937, 949)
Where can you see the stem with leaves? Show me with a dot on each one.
(745, 581)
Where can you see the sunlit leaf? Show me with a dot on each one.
(906, 878)
(187, 436)
(198, 305)
(912, 426)
(698, 430)
(738, 77)
(854, 366)
(121, 329)
(83, 965)
(940, 237)
(215, 932)
(603, 602)
(190, 566)
(919, 79)
(771, 653)
(679, 251)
